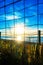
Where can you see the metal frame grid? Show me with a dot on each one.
(13, 3)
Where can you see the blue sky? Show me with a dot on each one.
(14, 13)
(31, 10)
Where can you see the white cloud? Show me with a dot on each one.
(11, 17)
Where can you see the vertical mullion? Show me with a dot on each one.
(24, 26)
(37, 16)
(5, 19)
(14, 18)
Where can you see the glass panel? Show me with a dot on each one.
(40, 8)
(31, 11)
(2, 24)
(9, 16)
(19, 14)
(30, 2)
(41, 27)
(2, 18)
(8, 1)
(41, 19)
(2, 11)
(6, 33)
(1, 4)
(19, 21)
(1, 0)
(9, 23)
(9, 8)
(19, 5)
(16, 0)
(40, 1)
(31, 20)
(31, 33)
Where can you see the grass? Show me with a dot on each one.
(12, 52)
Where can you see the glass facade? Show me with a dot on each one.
(21, 15)
(21, 32)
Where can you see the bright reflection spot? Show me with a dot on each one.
(19, 38)
(19, 32)
(19, 29)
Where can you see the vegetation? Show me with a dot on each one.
(12, 53)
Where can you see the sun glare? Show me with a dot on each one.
(19, 29)
(19, 38)
(19, 32)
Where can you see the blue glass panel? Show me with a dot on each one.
(31, 11)
(19, 14)
(2, 17)
(8, 1)
(41, 27)
(16, 0)
(9, 8)
(31, 20)
(9, 23)
(40, 8)
(2, 24)
(19, 5)
(2, 11)
(9, 16)
(1, 0)
(19, 21)
(40, 1)
(1, 4)
(30, 2)
(41, 19)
